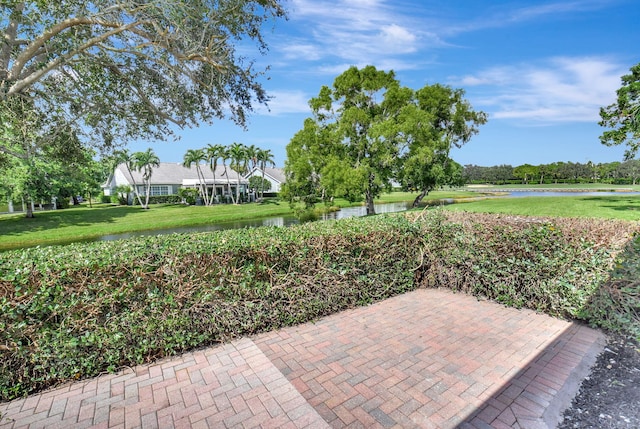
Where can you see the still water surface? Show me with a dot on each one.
(344, 213)
(252, 223)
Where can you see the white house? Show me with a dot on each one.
(274, 175)
(168, 178)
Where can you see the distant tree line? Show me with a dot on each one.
(621, 173)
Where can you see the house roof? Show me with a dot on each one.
(275, 173)
(175, 173)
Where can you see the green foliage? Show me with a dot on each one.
(367, 132)
(164, 199)
(189, 195)
(259, 184)
(75, 311)
(616, 304)
(550, 265)
(69, 312)
(121, 195)
(305, 215)
(623, 116)
(115, 71)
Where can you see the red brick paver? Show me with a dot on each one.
(233, 385)
(432, 358)
(428, 359)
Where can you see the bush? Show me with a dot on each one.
(189, 195)
(307, 215)
(70, 312)
(106, 198)
(549, 265)
(259, 185)
(160, 199)
(616, 304)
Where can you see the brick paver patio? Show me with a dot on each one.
(426, 359)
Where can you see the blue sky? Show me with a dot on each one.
(540, 69)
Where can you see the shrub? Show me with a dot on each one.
(69, 312)
(551, 265)
(258, 184)
(160, 199)
(189, 195)
(616, 304)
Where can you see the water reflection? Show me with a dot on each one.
(278, 221)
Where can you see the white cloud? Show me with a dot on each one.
(331, 32)
(502, 16)
(559, 90)
(354, 32)
(285, 102)
(305, 51)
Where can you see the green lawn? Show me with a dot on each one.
(626, 207)
(83, 222)
(78, 223)
(559, 186)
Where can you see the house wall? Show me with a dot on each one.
(275, 185)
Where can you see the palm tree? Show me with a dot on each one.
(264, 157)
(125, 157)
(214, 153)
(226, 155)
(144, 162)
(238, 154)
(195, 156)
(252, 155)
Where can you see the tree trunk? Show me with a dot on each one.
(238, 188)
(135, 187)
(419, 198)
(214, 192)
(147, 194)
(371, 210)
(226, 173)
(30, 214)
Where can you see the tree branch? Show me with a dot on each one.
(9, 35)
(21, 84)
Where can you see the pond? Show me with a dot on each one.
(252, 223)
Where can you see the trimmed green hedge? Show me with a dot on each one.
(551, 265)
(71, 312)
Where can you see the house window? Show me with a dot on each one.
(159, 190)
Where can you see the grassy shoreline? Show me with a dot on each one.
(85, 223)
(622, 207)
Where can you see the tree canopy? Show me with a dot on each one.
(368, 131)
(623, 116)
(102, 71)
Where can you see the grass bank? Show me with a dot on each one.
(561, 187)
(625, 207)
(85, 223)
